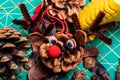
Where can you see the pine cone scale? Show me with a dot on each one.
(2, 36)
(14, 37)
(8, 45)
(14, 66)
(5, 59)
(3, 69)
(21, 54)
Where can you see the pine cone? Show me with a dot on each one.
(66, 7)
(70, 56)
(12, 45)
(79, 75)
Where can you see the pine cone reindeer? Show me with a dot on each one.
(59, 52)
(96, 29)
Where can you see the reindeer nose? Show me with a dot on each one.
(54, 51)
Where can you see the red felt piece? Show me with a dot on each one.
(37, 9)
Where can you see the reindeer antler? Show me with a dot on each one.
(96, 29)
(27, 22)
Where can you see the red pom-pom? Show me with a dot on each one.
(54, 51)
(38, 8)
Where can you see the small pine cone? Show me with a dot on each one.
(79, 75)
(66, 7)
(70, 56)
(12, 46)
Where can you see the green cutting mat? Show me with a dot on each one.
(109, 55)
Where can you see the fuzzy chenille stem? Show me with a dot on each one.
(97, 21)
(104, 38)
(25, 13)
(22, 23)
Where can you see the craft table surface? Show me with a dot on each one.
(108, 57)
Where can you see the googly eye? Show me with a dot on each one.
(52, 40)
(70, 44)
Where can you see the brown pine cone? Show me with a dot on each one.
(66, 7)
(79, 75)
(12, 45)
(70, 56)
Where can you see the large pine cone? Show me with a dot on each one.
(70, 57)
(12, 45)
(66, 7)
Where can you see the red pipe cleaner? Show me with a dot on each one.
(64, 23)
